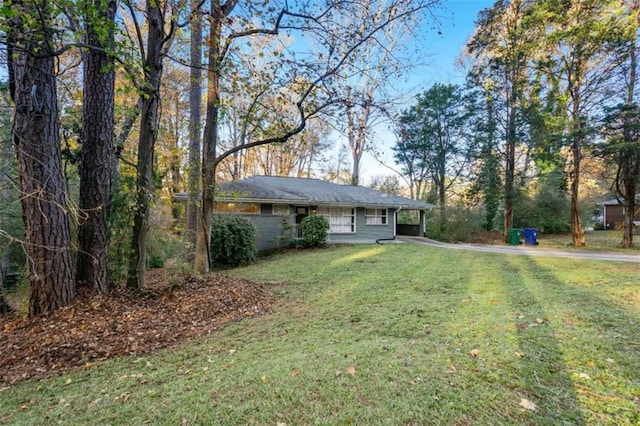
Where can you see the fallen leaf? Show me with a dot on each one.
(338, 373)
(610, 361)
(474, 352)
(265, 379)
(452, 368)
(351, 370)
(295, 373)
(585, 376)
(95, 402)
(281, 424)
(528, 405)
(590, 364)
(68, 382)
(519, 354)
(539, 320)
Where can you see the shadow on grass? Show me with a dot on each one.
(545, 379)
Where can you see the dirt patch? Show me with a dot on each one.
(175, 307)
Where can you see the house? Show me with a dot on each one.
(613, 215)
(277, 206)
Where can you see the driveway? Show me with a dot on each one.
(525, 250)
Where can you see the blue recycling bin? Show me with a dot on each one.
(530, 236)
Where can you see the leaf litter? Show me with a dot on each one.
(96, 327)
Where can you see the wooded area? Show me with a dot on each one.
(117, 106)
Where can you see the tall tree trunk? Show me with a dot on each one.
(146, 146)
(632, 160)
(357, 125)
(577, 135)
(97, 149)
(577, 232)
(441, 188)
(4, 306)
(510, 165)
(37, 144)
(195, 107)
(210, 141)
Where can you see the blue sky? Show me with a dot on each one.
(457, 24)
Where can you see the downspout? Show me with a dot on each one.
(395, 226)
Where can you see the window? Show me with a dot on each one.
(281, 209)
(375, 216)
(341, 220)
(244, 208)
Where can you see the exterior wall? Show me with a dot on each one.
(269, 227)
(614, 216)
(366, 232)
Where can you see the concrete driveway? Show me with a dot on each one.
(525, 250)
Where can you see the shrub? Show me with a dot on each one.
(233, 241)
(555, 227)
(315, 229)
(461, 224)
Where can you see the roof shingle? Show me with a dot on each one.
(313, 191)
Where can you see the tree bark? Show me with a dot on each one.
(4, 306)
(37, 144)
(210, 140)
(146, 145)
(97, 150)
(577, 130)
(195, 107)
(510, 165)
(632, 161)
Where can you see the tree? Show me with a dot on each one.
(297, 79)
(436, 129)
(573, 51)
(31, 59)
(622, 125)
(195, 128)
(10, 228)
(409, 155)
(502, 50)
(486, 183)
(366, 80)
(97, 145)
(158, 40)
(389, 184)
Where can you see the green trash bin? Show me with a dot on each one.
(513, 236)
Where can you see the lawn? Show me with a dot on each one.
(596, 240)
(391, 335)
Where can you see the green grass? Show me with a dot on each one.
(596, 240)
(384, 335)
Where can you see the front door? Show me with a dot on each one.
(301, 213)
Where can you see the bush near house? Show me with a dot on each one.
(315, 229)
(233, 241)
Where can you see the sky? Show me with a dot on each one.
(457, 24)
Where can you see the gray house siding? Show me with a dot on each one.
(269, 227)
(366, 232)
